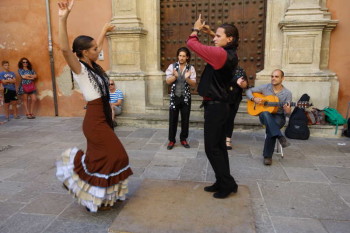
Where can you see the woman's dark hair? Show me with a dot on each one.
(20, 64)
(231, 30)
(81, 43)
(187, 51)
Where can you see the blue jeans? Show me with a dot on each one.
(273, 124)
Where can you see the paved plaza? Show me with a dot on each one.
(307, 191)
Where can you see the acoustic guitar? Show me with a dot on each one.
(270, 104)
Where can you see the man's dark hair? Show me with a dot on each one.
(5, 62)
(231, 30)
(187, 51)
(20, 64)
(81, 43)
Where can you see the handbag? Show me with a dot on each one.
(28, 88)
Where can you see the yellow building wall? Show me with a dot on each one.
(24, 33)
(339, 60)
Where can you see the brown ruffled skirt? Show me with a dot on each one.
(98, 177)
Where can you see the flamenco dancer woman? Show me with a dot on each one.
(97, 178)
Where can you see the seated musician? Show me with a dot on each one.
(273, 121)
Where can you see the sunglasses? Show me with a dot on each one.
(24, 62)
(111, 84)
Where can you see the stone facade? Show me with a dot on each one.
(297, 41)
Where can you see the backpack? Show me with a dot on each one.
(297, 126)
(334, 117)
(311, 118)
(315, 117)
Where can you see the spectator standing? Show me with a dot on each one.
(8, 80)
(238, 82)
(28, 76)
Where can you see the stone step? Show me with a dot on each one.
(242, 123)
(195, 111)
(195, 108)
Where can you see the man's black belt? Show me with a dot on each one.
(206, 102)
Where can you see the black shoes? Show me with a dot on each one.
(220, 194)
(185, 144)
(267, 161)
(170, 145)
(224, 194)
(213, 188)
(283, 141)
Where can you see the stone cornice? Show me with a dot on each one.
(284, 24)
(128, 30)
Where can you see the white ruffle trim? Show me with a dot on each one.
(89, 196)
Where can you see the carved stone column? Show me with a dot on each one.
(304, 35)
(129, 46)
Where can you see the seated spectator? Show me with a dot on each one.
(116, 99)
(8, 80)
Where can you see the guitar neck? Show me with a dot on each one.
(280, 104)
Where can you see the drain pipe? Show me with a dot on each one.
(52, 62)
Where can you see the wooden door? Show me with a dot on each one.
(178, 16)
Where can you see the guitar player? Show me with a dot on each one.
(273, 121)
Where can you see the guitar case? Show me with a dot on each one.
(297, 127)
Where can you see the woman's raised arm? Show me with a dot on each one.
(64, 9)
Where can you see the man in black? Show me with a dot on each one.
(221, 63)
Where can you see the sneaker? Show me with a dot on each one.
(283, 141)
(267, 161)
(16, 117)
(185, 144)
(170, 145)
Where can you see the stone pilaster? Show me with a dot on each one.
(129, 46)
(303, 49)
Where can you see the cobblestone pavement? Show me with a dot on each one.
(307, 191)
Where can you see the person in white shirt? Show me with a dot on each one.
(98, 177)
(181, 76)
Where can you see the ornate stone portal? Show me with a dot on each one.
(297, 41)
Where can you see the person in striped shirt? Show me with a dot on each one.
(115, 99)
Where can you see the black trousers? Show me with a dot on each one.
(185, 110)
(215, 118)
(230, 124)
